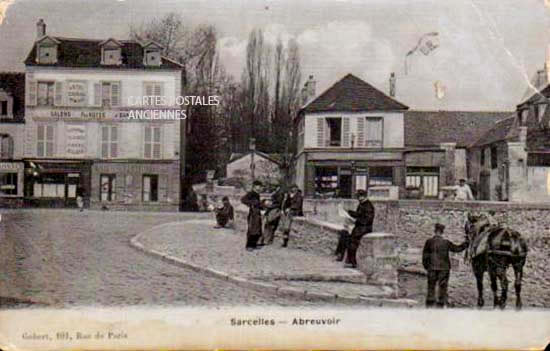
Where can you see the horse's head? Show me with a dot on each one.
(474, 224)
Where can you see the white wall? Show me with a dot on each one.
(393, 127)
(130, 132)
(264, 167)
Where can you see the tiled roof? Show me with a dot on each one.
(14, 83)
(502, 130)
(431, 128)
(87, 53)
(353, 94)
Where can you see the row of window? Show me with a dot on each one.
(336, 131)
(149, 188)
(110, 139)
(75, 93)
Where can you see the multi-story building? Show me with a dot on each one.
(512, 159)
(82, 132)
(348, 138)
(12, 119)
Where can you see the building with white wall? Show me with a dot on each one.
(82, 133)
(348, 138)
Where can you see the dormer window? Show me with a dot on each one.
(152, 54)
(46, 50)
(111, 52)
(6, 105)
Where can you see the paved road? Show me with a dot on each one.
(67, 258)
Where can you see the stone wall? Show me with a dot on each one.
(412, 222)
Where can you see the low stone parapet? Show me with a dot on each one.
(378, 258)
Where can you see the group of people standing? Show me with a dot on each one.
(278, 212)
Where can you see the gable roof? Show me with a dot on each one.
(431, 128)
(351, 94)
(13, 83)
(271, 157)
(502, 130)
(78, 53)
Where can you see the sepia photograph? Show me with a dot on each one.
(262, 174)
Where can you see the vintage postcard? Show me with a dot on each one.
(274, 174)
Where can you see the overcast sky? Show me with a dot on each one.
(489, 49)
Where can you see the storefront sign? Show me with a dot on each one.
(77, 93)
(75, 139)
(10, 166)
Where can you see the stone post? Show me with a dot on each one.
(517, 172)
(378, 259)
(449, 171)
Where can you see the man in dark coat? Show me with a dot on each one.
(224, 214)
(435, 258)
(252, 200)
(292, 205)
(364, 217)
(272, 217)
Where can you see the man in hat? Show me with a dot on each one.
(463, 191)
(291, 207)
(224, 214)
(364, 217)
(272, 216)
(435, 259)
(252, 200)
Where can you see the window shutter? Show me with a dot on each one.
(327, 132)
(320, 132)
(148, 139)
(346, 131)
(115, 94)
(147, 89)
(360, 132)
(114, 141)
(50, 143)
(32, 92)
(58, 100)
(97, 94)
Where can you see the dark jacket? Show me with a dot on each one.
(293, 203)
(364, 216)
(435, 255)
(252, 200)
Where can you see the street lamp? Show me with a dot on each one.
(252, 147)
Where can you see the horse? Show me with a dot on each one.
(494, 249)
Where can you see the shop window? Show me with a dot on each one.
(46, 93)
(109, 141)
(8, 183)
(45, 141)
(494, 157)
(6, 147)
(150, 188)
(51, 186)
(425, 179)
(326, 181)
(380, 176)
(152, 148)
(107, 187)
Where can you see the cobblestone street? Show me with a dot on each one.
(66, 258)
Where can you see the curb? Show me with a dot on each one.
(269, 288)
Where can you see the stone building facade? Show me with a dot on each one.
(90, 131)
(12, 124)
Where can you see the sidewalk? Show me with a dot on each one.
(221, 252)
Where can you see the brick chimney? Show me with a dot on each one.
(392, 84)
(310, 86)
(40, 28)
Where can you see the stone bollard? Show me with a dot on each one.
(378, 259)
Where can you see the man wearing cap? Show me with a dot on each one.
(364, 217)
(435, 259)
(292, 204)
(252, 200)
(463, 191)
